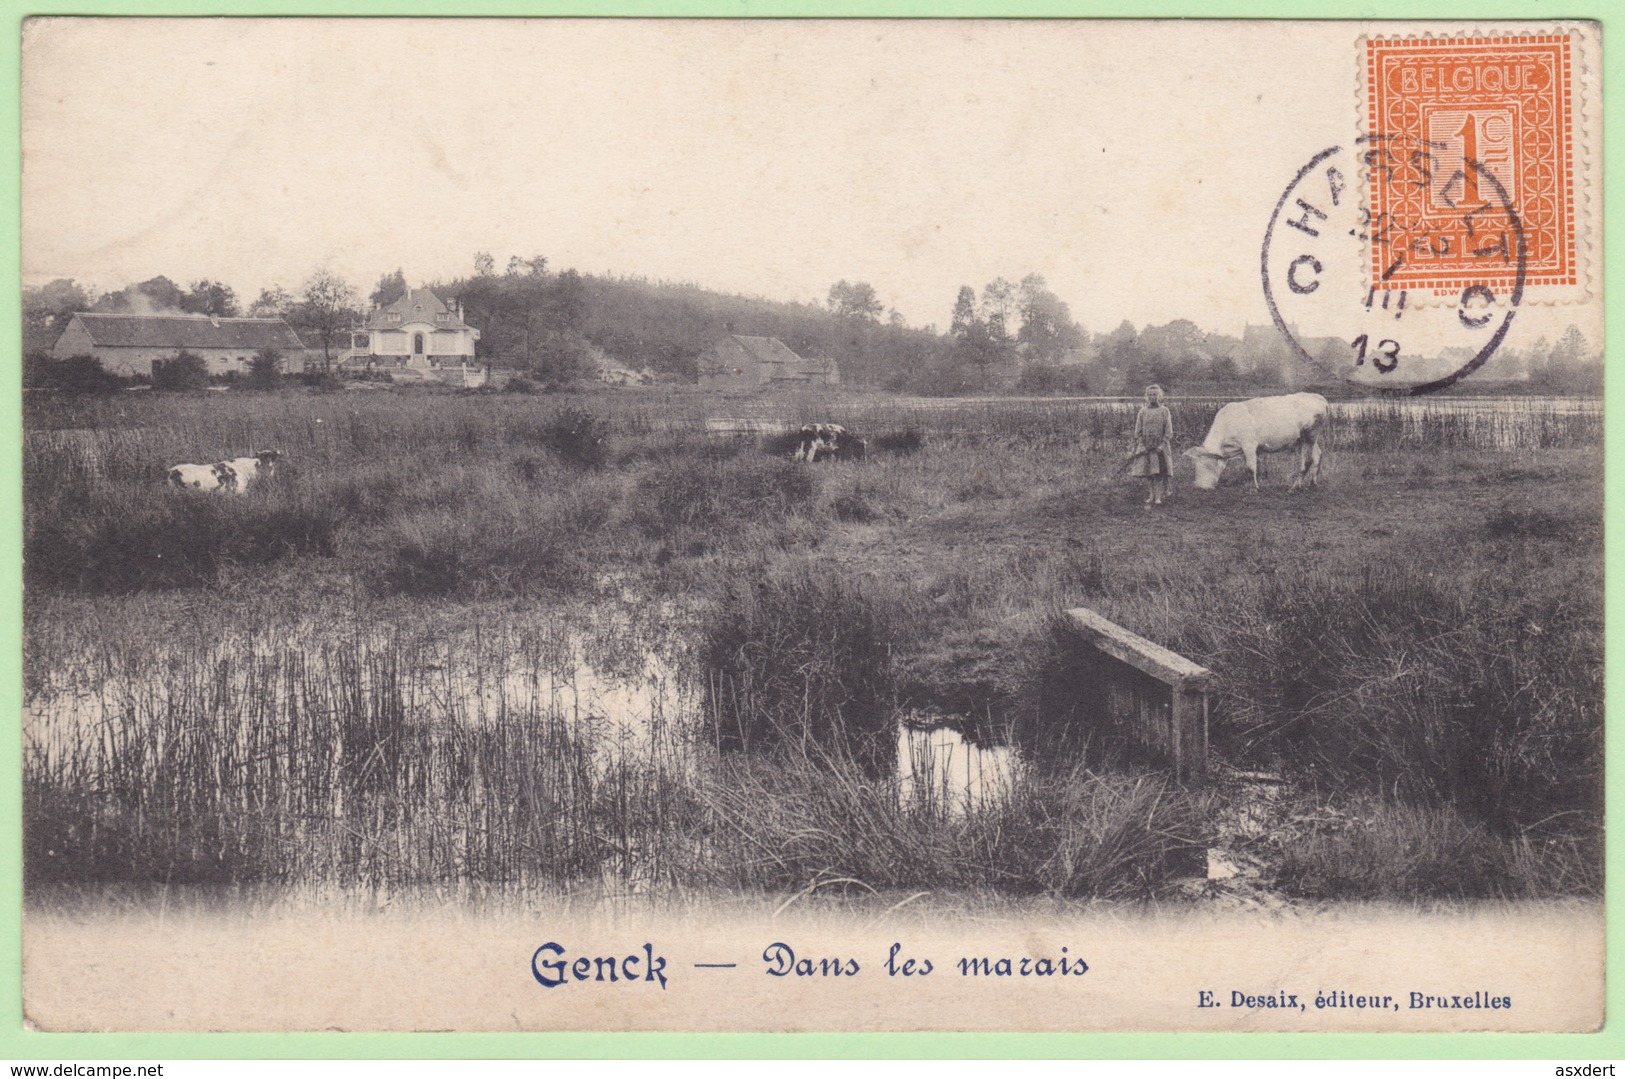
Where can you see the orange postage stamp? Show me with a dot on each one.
(1471, 168)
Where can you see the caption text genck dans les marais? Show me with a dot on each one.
(552, 967)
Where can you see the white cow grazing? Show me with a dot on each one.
(1263, 425)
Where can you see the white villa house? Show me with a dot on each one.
(417, 338)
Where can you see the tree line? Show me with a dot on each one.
(562, 327)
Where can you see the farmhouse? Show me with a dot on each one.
(417, 338)
(128, 344)
(1264, 350)
(738, 362)
(611, 373)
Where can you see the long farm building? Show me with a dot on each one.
(128, 344)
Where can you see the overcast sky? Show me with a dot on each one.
(1134, 166)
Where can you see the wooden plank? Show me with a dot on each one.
(1165, 666)
(1190, 732)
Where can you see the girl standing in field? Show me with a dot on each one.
(1153, 452)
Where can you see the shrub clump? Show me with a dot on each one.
(265, 370)
(579, 437)
(1437, 690)
(1398, 851)
(907, 441)
(109, 544)
(802, 662)
(514, 548)
(718, 493)
(74, 375)
(856, 506)
(321, 380)
(184, 371)
(786, 823)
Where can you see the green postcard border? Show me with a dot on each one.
(20, 1045)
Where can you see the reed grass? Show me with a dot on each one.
(384, 758)
(397, 757)
(1444, 857)
(1085, 835)
(188, 725)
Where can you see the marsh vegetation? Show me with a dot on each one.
(586, 642)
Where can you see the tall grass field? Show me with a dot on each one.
(618, 642)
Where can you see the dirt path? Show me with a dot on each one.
(1258, 813)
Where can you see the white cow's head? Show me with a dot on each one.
(1209, 467)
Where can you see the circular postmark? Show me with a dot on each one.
(1381, 296)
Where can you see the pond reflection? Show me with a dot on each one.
(938, 769)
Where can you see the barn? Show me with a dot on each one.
(740, 362)
(128, 344)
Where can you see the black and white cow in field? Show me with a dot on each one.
(214, 477)
(234, 475)
(826, 441)
(247, 470)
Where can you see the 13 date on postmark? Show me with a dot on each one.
(1335, 316)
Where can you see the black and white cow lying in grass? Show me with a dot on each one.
(234, 475)
(825, 441)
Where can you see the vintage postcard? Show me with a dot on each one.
(812, 525)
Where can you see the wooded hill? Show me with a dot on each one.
(565, 327)
(556, 325)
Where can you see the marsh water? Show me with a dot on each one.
(593, 674)
(454, 726)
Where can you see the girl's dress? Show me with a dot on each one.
(1153, 432)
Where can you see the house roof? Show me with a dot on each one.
(763, 349)
(187, 331)
(818, 365)
(1254, 337)
(417, 305)
(771, 350)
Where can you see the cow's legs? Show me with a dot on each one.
(1251, 457)
(1308, 463)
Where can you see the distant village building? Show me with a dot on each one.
(738, 362)
(416, 338)
(1264, 350)
(1083, 356)
(1506, 365)
(128, 344)
(611, 373)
